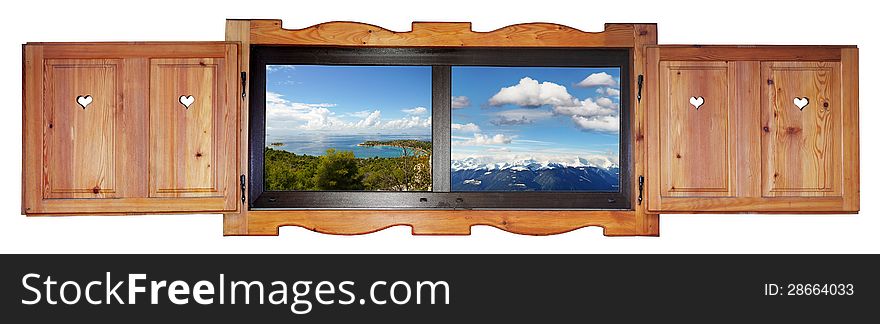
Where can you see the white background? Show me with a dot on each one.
(692, 22)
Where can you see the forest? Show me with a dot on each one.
(341, 170)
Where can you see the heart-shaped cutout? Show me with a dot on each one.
(186, 101)
(84, 101)
(801, 102)
(697, 102)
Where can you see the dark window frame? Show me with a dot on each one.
(441, 59)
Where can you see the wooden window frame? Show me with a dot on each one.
(441, 60)
(627, 222)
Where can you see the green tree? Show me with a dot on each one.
(338, 170)
(288, 171)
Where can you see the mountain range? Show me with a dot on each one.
(578, 174)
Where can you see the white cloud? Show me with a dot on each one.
(598, 79)
(281, 114)
(406, 123)
(606, 103)
(272, 97)
(613, 92)
(529, 93)
(319, 119)
(599, 115)
(360, 114)
(608, 124)
(519, 116)
(416, 111)
(273, 68)
(591, 114)
(371, 120)
(588, 108)
(496, 155)
(466, 128)
(460, 102)
(480, 139)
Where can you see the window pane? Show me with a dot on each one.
(348, 128)
(535, 129)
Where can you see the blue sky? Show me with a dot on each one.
(547, 114)
(315, 99)
(499, 113)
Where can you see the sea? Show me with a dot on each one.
(317, 144)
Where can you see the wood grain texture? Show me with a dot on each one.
(750, 97)
(32, 128)
(695, 152)
(80, 141)
(787, 205)
(134, 49)
(432, 222)
(102, 152)
(440, 34)
(749, 53)
(238, 31)
(849, 89)
(646, 223)
(442, 222)
(183, 139)
(24, 102)
(801, 148)
(746, 95)
(651, 107)
(133, 206)
(134, 135)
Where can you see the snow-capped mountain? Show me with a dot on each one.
(529, 174)
(472, 163)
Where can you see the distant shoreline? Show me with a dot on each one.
(396, 144)
(421, 150)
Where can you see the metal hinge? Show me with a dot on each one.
(243, 85)
(641, 188)
(641, 81)
(243, 182)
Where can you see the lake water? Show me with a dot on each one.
(318, 144)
